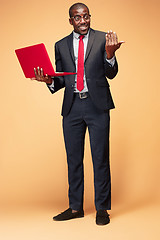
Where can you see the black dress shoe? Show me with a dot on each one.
(102, 217)
(67, 215)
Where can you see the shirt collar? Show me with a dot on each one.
(76, 35)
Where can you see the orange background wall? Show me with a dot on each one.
(33, 166)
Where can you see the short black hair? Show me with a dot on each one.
(76, 6)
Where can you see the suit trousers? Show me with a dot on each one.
(85, 114)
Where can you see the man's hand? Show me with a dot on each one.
(39, 76)
(112, 44)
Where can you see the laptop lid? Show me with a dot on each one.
(36, 56)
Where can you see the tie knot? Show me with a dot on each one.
(81, 37)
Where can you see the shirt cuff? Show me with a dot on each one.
(111, 61)
(51, 86)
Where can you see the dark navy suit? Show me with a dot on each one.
(91, 112)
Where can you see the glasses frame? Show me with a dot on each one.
(81, 17)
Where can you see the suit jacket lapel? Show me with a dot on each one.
(90, 42)
(70, 45)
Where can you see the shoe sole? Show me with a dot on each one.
(67, 219)
(102, 224)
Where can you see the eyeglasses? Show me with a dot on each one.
(78, 18)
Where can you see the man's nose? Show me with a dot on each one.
(82, 20)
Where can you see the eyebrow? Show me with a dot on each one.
(80, 15)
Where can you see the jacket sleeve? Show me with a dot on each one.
(110, 71)
(58, 81)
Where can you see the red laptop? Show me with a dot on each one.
(36, 56)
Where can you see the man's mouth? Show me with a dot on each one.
(83, 28)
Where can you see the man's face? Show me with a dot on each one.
(80, 20)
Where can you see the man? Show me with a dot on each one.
(87, 102)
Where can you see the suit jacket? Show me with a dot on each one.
(96, 70)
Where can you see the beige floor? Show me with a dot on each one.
(35, 223)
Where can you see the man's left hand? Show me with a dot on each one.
(112, 44)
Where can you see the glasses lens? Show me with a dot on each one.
(86, 17)
(78, 18)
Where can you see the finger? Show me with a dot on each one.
(38, 71)
(108, 34)
(35, 72)
(107, 40)
(33, 78)
(115, 38)
(112, 38)
(46, 78)
(119, 44)
(42, 72)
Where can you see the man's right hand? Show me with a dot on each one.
(39, 76)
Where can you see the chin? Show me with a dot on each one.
(84, 32)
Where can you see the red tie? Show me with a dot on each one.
(80, 66)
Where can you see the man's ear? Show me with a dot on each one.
(70, 21)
